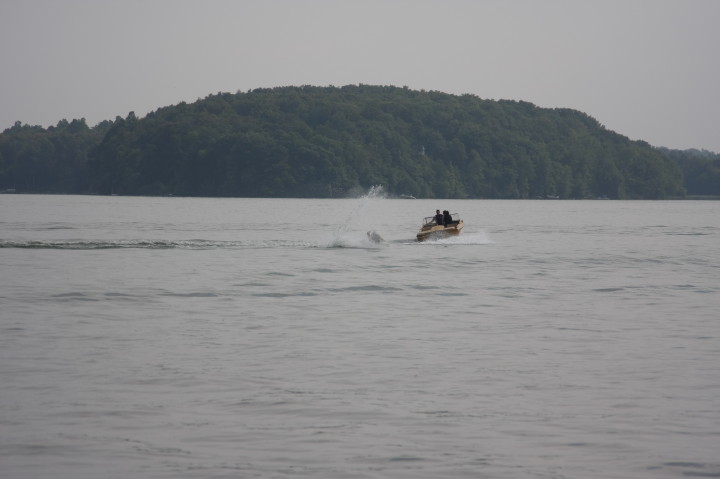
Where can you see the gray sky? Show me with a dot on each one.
(648, 69)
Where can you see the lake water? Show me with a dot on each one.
(240, 338)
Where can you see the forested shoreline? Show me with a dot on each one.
(329, 141)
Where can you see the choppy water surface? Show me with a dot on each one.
(197, 338)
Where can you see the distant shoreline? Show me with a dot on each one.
(700, 197)
(676, 198)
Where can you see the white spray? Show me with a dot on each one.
(342, 232)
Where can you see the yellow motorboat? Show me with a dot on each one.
(431, 230)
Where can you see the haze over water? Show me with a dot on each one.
(196, 338)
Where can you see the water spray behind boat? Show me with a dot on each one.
(359, 220)
(375, 237)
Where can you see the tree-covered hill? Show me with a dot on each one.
(325, 141)
(700, 168)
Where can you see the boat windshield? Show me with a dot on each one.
(430, 220)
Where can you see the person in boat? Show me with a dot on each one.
(447, 218)
(439, 218)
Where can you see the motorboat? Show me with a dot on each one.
(431, 230)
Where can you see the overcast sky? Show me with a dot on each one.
(648, 69)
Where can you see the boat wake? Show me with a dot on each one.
(196, 244)
(464, 239)
(357, 231)
(359, 240)
(346, 241)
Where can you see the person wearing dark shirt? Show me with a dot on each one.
(447, 218)
(439, 217)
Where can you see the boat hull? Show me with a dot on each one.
(435, 232)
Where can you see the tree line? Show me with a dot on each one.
(327, 141)
(700, 168)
